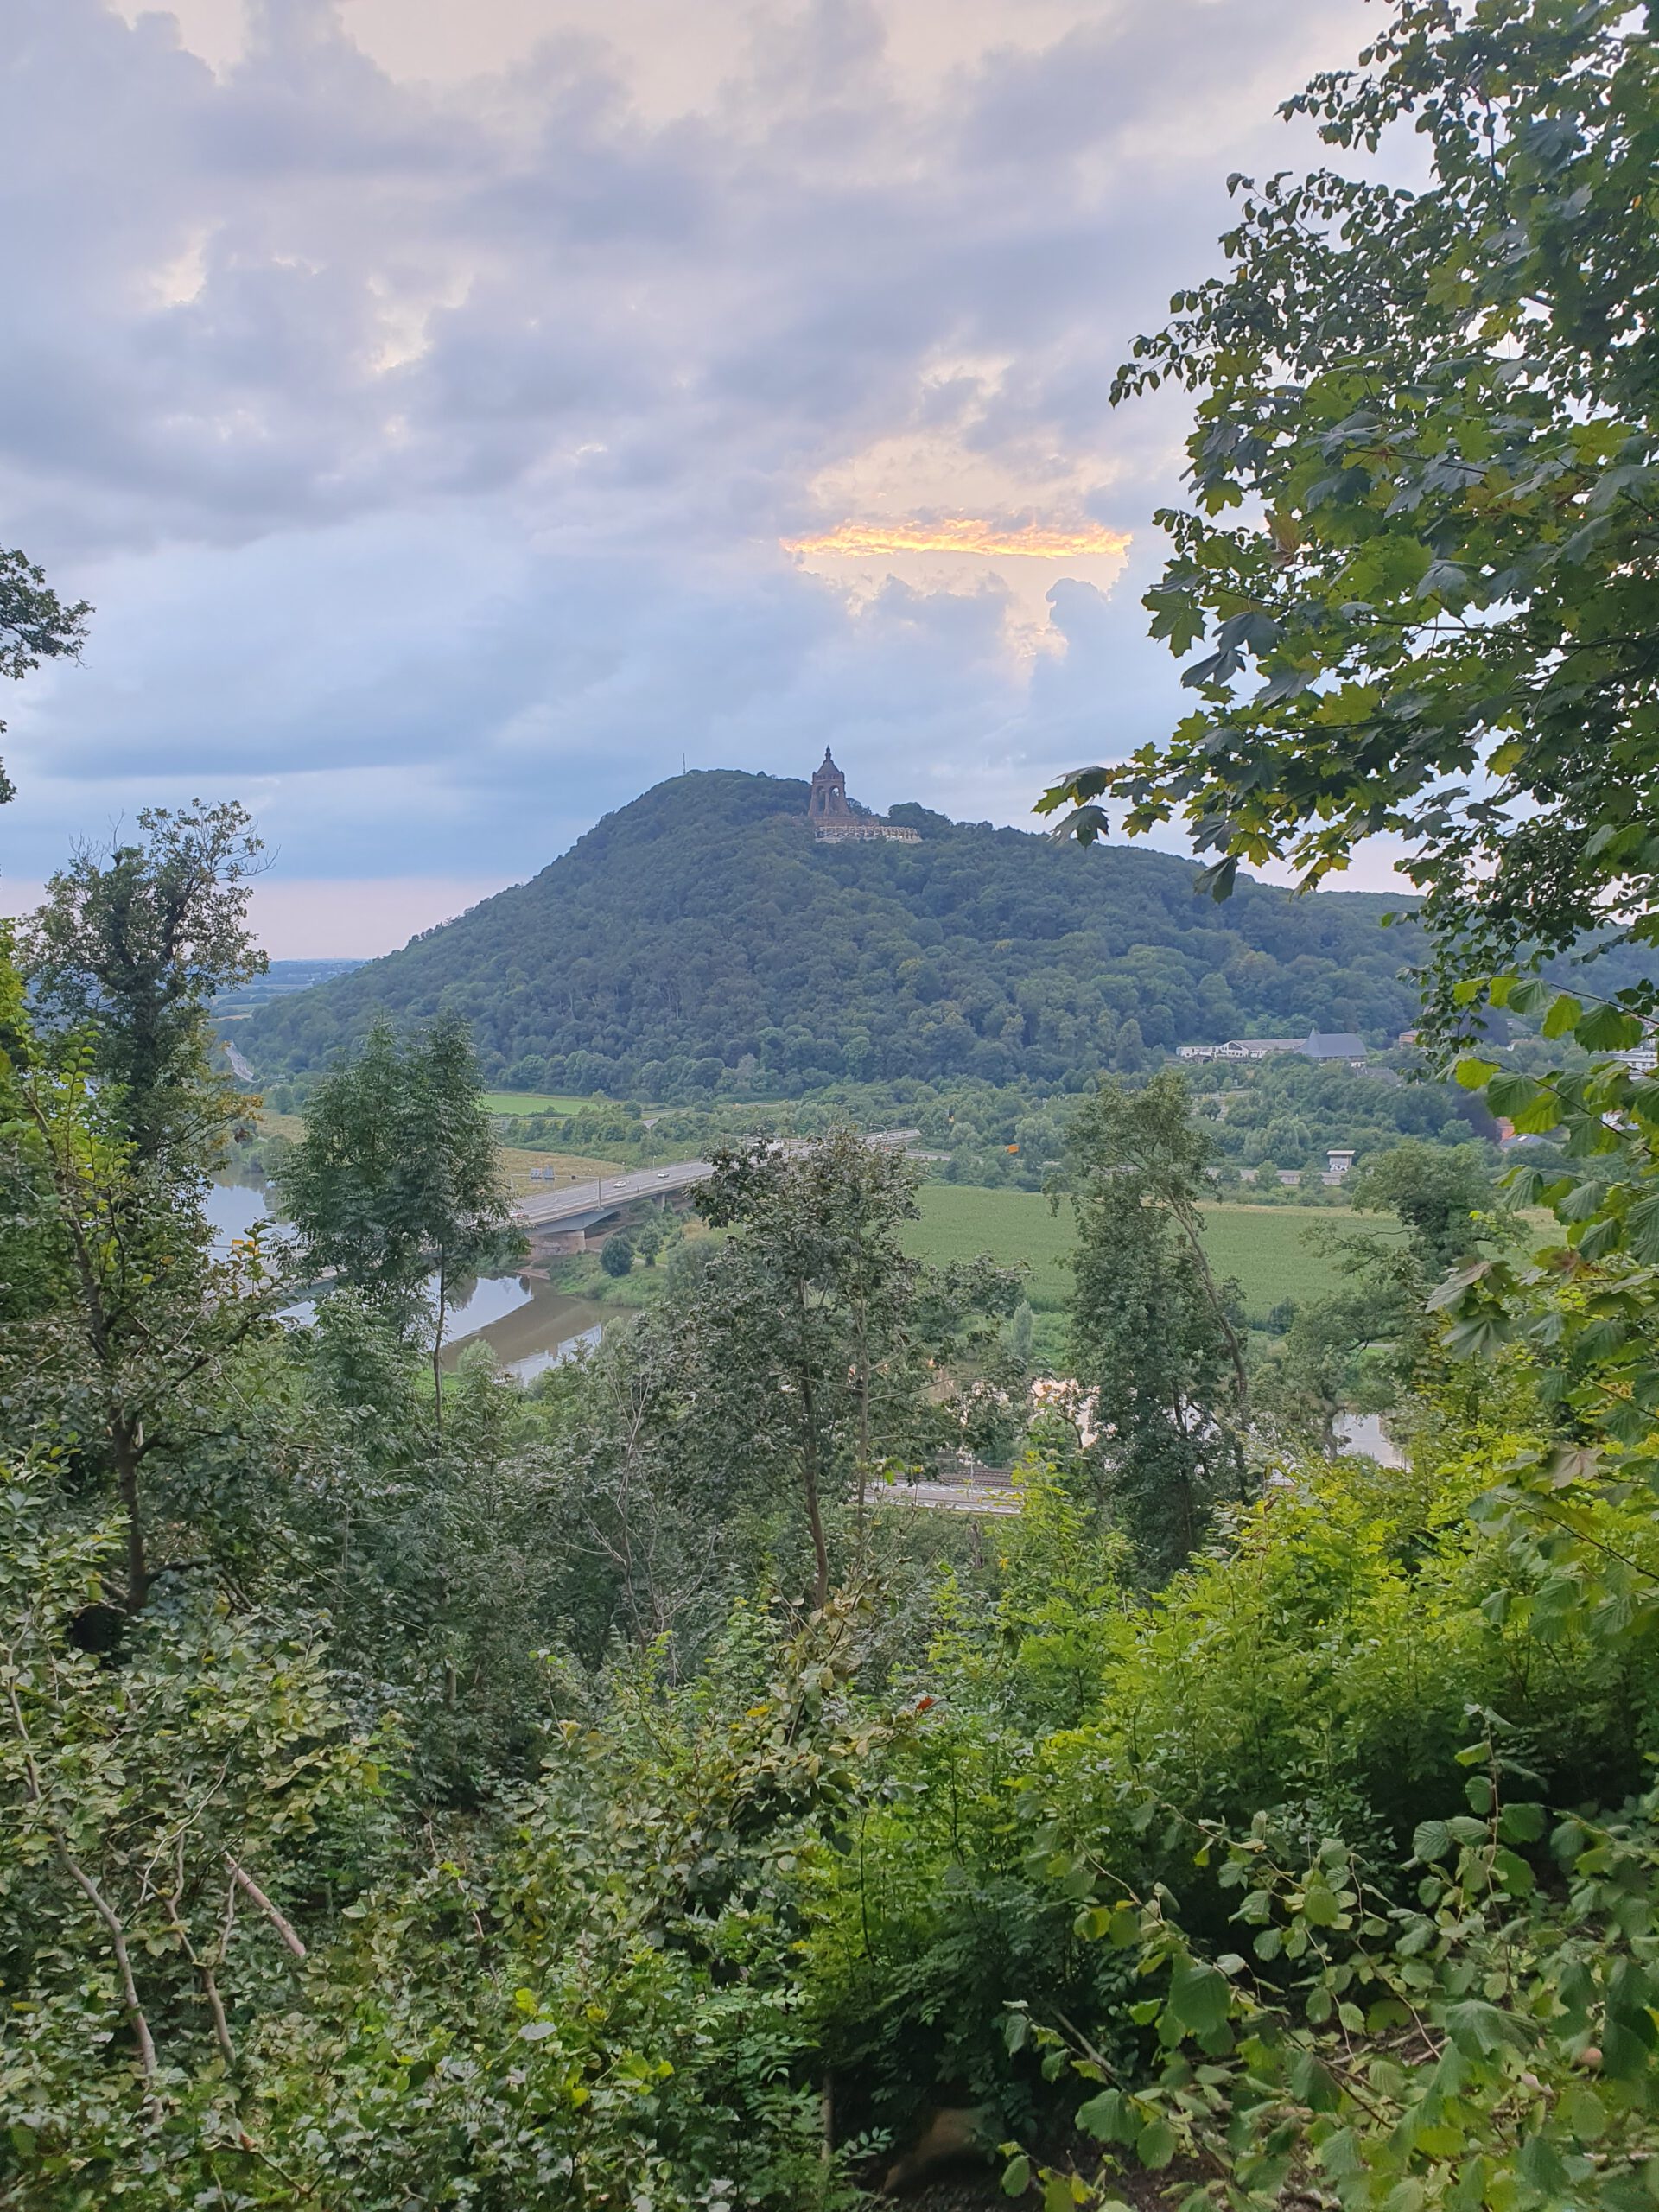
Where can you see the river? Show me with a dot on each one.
(528, 1325)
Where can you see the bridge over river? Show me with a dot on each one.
(580, 1205)
(583, 1206)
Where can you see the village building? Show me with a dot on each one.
(1338, 1045)
(836, 822)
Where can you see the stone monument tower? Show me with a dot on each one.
(829, 800)
(833, 819)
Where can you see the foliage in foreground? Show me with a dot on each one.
(452, 1801)
(1418, 556)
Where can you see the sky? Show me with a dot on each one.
(461, 413)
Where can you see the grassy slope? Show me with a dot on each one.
(567, 1166)
(1267, 1249)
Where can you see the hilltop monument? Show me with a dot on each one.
(834, 822)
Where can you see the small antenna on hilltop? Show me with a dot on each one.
(681, 764)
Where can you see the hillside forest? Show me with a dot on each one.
(423, 1789)
(698, 942)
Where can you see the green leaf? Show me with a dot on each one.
(1508, 1093)
(1107, 2117)
(1513, 1873)
(1563, 1013)
(1319, 1907)
(1539, 2163)
(1339, 2154)
(1521, 1823)
(1475, 1074)
(1583, 2112)
(1312, 2082)
(1155, 2145)
(1124, 1927)
(1477, 2028)
(1605, 1029)
(1016, 2177)
(1538, 1114)
(1200, 1999)
(1641, 1231)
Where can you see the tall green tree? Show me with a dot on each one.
(396, 1184)
(130, 949)
(1444, 1196)
(35, 625)
(121, 1329)
(1152, 1332)
(827, 1323)
(1418, 559)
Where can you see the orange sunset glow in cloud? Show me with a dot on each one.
(1029, 541)
(970, 553)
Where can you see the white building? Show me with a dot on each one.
(1340, 1046)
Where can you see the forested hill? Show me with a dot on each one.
(700, 937)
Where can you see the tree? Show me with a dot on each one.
(34, 626)
(1419, 550)
(826, 1324)
(617, 1257)
(396, 1181)
(1148, 1145)
(819, 1259)
(1153, 1334)
(119, 1352)
(118, 1326)
(146, 1816)
(132, 945)
(1438, 1192)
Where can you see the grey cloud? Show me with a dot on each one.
(464, 438)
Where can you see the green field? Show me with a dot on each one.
(1267, 1249)
(531, 1102)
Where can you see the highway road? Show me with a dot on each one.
(591, 1200)
(949, 1498)
(579, 1203)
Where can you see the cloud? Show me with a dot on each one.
(970, 534)
(428, 415)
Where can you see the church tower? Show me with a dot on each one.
(834, 822)
(828, 799)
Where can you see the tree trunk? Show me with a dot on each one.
(820, 1553)
(863, 1442)
(125, 1449)
(437, 1349)
(809, 1457)
(1191, 1229)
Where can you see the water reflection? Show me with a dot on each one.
(233, 1209)
(481, 1301)
(544, 1327)
(1365, 1433)
(528, 1325)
